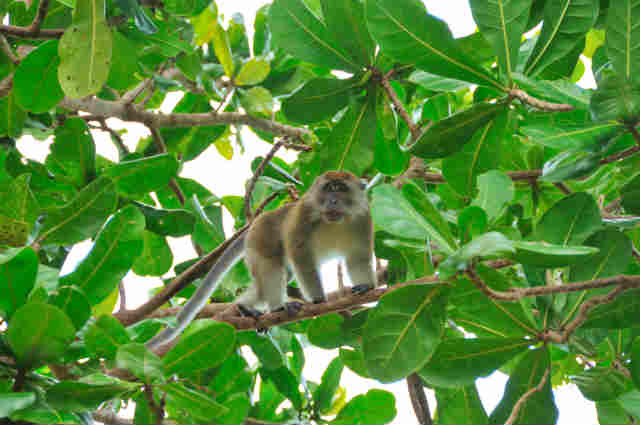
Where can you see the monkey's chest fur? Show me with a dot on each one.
(331, 241)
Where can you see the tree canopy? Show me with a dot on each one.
(505, 198)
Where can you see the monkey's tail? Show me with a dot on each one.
(228, 259)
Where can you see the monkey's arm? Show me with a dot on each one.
(229, 258)
(360, 257)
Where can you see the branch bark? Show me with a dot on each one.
(525, 397)
(539, 104)
(132, 112)
(419, 399)
(33, 30)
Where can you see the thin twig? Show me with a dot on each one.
(115, 136)
(6, 48)
(252, 183)
(419, 399)
(413, 128)
(129, 97)
(539, 104)
(123, 297)
(526, 396)
(161, 146)
(33, 30)
(563, 188)
(620, 155)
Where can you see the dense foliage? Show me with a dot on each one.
(505, 197)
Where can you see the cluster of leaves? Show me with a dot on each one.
(412, 91)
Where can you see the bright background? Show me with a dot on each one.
(227, 177)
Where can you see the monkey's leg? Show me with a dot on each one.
(306, 271)
(360, 269)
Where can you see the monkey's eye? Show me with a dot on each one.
(336, 186)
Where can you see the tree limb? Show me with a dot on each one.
(539, 104)
(132, 112)
(525, 397)
(33, 30)
(256, 175)
(419, 399)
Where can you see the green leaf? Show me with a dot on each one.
(392, 211)
(239, 407)
(326, 331)
(73, 153)
(611, 413)
(167, 222)
(346, 17)
(72, 301)
(496, 191)
(18, 270)
(557, 91)
(614, 256)
(19, 210)
(407, 33)
(630, 194)
(12, 116)
(263, 348)
(286, 383)
(143, 175)
(492, 244)
(233, 376)
(115, 248)
(349, 146)
(83, 216)
(566, 23)
(208, 231)
(546, 255)
(185, 7)
(630, 401)
(635, 362)
(105, 336)
(318, 99)
(42, 413)
(459, 362)
(140, 361)
(10, 402)
(254, 71)
(570, 131)
(299, 32)
(194, 353)
(623, 37)
(132, 9)
(403, 331)
(375, 407)
(449, 135)
(80, 396)
(570, 165)
(388, 157)
(35, 81)
(258, 101)
(85, 50)
(478, 156)
(502, 22)
(124, 64)
(221, 47)
(441, 233)
(323, 396)
(201, 407)
(540, 408)
(617, 98)
(39, 333)
(570, 221)
(156, 257)
(621, 313)
(460, 406)
(601, 383)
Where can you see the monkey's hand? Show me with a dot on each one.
(292, 308)
(361, 289)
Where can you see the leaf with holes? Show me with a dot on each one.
(85, 51)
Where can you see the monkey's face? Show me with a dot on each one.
(340, 196)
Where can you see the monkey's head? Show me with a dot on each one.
(339, 196)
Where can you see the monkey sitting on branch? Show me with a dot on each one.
(332, 220)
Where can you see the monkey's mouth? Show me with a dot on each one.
(333, 215)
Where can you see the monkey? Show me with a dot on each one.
(332, 220)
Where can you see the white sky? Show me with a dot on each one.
(227, 177)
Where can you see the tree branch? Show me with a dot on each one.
(6, 48)
(525, 397)
(419, 399)
(33, 30)
(413, 128)
(256, 176)
(132, 112)
(539, 104)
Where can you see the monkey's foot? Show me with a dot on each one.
(292, 308)
(361, 289)
(249, 312)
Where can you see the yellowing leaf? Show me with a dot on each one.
(203, 26)
(107, 305)
(221, 47)
(223, 145)
(253, 71)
